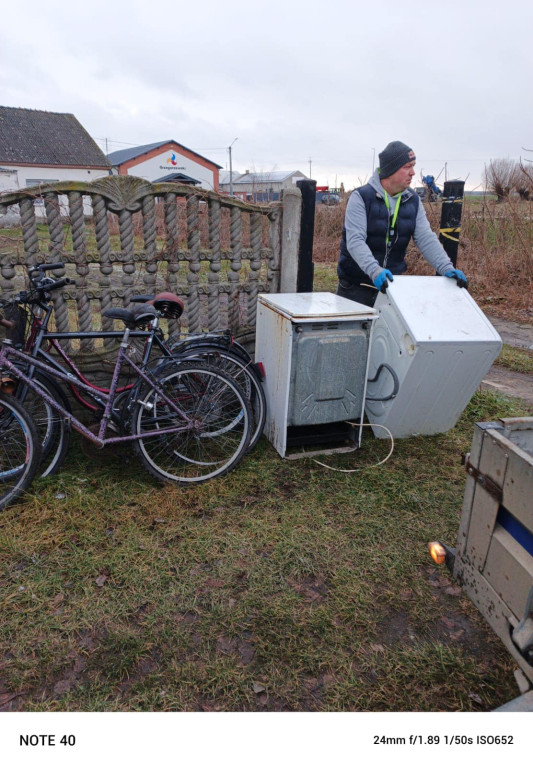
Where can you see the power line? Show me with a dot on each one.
(140, 144)
(114, 141)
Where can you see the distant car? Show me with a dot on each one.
(330, 198)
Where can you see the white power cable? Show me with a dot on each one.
(371, 466)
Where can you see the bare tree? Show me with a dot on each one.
(521, 181)
(527, 178)
(498, 177)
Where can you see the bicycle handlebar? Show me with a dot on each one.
(45, 267)
(57, 284)
(40, 289)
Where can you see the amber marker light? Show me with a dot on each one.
(437, 552)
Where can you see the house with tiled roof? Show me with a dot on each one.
(38, 147)
(167, 161)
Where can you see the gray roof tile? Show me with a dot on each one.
(46, 138)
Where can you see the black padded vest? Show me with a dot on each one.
(376, 237)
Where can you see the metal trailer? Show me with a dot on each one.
(493, 560)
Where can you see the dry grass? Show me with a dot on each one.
(495, 251)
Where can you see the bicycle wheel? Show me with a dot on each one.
(244, 374)
(20, 450)
(52, 428)
(214, 419)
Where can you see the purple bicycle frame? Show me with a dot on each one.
(7, 350)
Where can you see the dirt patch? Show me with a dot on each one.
(514, 334)
(503, 380)
(510, 383)
(451, 626)
(311, 589)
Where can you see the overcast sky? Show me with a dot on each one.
(329, 82)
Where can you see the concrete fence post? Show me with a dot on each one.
(290, 239)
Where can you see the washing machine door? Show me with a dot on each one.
(391, 344)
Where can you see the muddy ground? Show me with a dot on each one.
(503, 380)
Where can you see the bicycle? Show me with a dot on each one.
(215, 348)
(20, 449)
(219, 349)
(189, 421)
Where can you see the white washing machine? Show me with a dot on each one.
(439, 344)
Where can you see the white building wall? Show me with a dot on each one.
(292, 182)
(20, 177)
(171, 161)
(264, 185)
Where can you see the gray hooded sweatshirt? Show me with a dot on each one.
(425, 239)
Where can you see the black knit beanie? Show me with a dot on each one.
(393, 157)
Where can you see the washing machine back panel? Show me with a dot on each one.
(314, 348)
(435, 309)
(440, 345)
(328, 374)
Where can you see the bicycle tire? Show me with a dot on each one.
(244, 374)
(214, 443)
(179, 346)
(52, 428)
(20, 450)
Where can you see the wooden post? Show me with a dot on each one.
(450, 218)
(304, 283)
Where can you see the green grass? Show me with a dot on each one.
(282, 586)
(325, 277)
(516, 359)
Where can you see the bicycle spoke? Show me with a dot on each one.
(20, 450)
(219, 429)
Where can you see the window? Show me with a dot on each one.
(36, 182)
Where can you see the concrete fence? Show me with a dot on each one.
(120, 236)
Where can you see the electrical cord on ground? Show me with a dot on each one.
(371, 466)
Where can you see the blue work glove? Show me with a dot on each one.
(381, 280)
(462, 282)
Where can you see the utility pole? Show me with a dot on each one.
(231, 167)
(310, 174)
